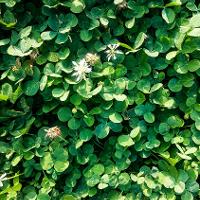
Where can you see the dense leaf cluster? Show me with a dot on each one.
(99, 99)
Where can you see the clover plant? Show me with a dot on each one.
(99, 99)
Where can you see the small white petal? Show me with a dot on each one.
(82, 62)
(78, 78)
(88, 70)
(3, 176)
(110, 46)
(75, 74)
(75, 63)
(115, 46)
(109, 57)
(119, 52)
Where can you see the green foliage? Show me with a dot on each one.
(99, 99)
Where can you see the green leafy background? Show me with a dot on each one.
(130, 130)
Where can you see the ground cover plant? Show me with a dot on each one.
(99, 99)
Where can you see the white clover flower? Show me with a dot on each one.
(2, 178)
(112, 51)
(81, 69)
(122, 5)
(53, 132)
(92, 58)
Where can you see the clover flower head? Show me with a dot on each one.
(17, 65)
(34, 54)
(81, 68)
(53, 132)
(2, 178)
(122, 5)
(92, 58)
(14, 68)
(112, 51)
